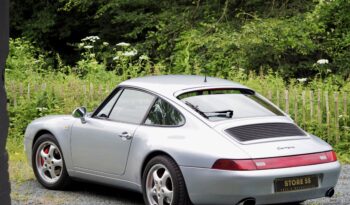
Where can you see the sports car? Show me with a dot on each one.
(182, 140)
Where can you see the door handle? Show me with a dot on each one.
(125, 136)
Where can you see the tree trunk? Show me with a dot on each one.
(4, 47)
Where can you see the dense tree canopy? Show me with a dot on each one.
(288, 36)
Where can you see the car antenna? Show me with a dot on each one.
(205, 75)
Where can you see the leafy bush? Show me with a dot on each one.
(25, 60)
(190, 36)
(334, 41)
(41, 104)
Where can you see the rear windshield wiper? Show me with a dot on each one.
(224, 113)
(196, 109)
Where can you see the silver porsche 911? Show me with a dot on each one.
(184, 140)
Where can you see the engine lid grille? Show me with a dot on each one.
(263, 131)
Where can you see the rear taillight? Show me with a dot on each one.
(332, 155)
(276, 162)
(229, 164)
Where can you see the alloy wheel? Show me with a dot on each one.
(49, 162)
(159, 186)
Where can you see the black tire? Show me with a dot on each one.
(63, 180)
(180, 194)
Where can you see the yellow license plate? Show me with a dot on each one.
(296, 183)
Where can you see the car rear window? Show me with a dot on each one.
(223, 104)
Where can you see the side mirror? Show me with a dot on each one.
(80, 112)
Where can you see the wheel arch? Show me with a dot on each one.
(150, 156)
(40, 133)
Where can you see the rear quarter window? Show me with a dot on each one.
(163, 113)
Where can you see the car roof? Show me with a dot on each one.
(170, 85)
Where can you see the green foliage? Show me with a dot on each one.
(186, 36)
(41, 104)
(121, 59)
(343, 151)
(24, 60)
(334, 41)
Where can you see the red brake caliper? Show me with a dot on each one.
(46, 151)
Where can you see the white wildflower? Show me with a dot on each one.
(116, 58)
(88, 47)
(92, 55)
(123, 44)
(80, 45)
(130, 53)
(41, 108)
(322, 61)
(91, 38)
(143, 57)
(86, 38)
(302, 80)
(105, 43)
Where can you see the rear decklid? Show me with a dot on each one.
(266, 137)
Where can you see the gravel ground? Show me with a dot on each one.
(31, 193)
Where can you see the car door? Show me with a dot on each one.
(101, 144)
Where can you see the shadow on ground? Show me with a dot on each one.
(105, 191)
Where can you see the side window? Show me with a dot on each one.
(104, 112)
(131, 106)
(164, 114)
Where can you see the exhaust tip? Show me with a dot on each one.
(247, 201)
(330, 192)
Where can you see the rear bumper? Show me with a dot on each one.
(209, 186)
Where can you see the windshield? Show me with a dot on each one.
(223, 104)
